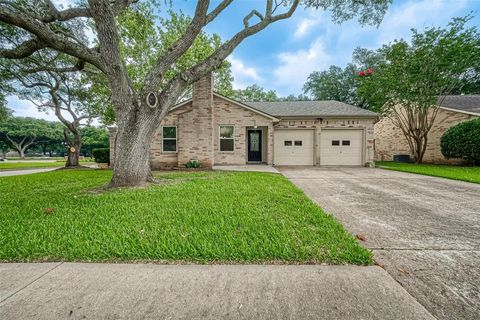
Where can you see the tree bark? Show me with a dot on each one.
(73, 151)
(22, 153)
(132, 154)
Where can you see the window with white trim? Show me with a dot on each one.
(169, 139)
(227, 138)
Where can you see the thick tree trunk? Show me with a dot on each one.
(22, 153)
(131, 165)
(73, 158)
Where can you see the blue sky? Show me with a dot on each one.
(281, 57)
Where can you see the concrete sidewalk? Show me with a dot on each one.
(149, 291)
(8, 173)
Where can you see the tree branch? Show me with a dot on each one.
(155, 76)
(46, 37)
(23, 50)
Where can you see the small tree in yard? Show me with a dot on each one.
(409, 86)
(462, 142)
(142, 99)
(51, 83)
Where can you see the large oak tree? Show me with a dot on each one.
(164, 80)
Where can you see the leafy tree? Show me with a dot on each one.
(52, 84)
(341, 84)
(51, 139)
(462, 141)
(292, 97)
(254, 93)
(416, 76)
(165, 70)
(22, 133)
(5, 112)
(93, 138)
(333, 84)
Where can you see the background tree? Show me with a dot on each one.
(341, 84)
(254, 93)
(333, 84)
(22, 133)
(93, 138)
(292, 97)
(5, 112)
(50, 139)
(161, 75)
(409, 86)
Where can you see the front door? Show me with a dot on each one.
(254, 145)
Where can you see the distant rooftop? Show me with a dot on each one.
(328, 108)
(466, 103)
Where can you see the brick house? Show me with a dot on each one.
(216, 130)
(389, 140)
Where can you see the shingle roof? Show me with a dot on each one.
(328, 108)
(466, 103)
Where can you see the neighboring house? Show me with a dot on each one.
(216, 130)
(389, 139)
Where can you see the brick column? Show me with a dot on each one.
(195, 129)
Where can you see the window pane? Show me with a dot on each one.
(287, 143)
(298, 142)
(226, 144)
(169, 145)
(345, 142)
(335, 142)
(169, 132)
(226, 131)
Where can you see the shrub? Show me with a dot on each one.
(462, 141)
(101, 155)
(193, 164)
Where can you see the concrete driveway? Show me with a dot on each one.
(424, 230)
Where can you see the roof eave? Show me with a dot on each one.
(376, 115)
(460, 111)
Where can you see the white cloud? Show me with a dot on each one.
(25, 108)
(305, 26)
(63, 3)
(295, 66)
(242, 74)
(417, 14)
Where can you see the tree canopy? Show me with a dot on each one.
(23, 133)
(414, 77)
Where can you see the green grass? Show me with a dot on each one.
(199, 217)
(469, 174)
(34, 165)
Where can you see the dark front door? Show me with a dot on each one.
(254, 145)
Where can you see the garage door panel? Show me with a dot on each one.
(341, 147)
(293, 147)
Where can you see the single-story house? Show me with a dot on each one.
(216, 130)
(390, 141)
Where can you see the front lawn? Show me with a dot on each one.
(469, 174)
(34, 165)
(197, 217)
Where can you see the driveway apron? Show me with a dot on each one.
(424, 230)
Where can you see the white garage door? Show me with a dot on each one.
(341, 147)
(293, 147)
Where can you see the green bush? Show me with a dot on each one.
(101, 155)
(193, 164)
(462, 141)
